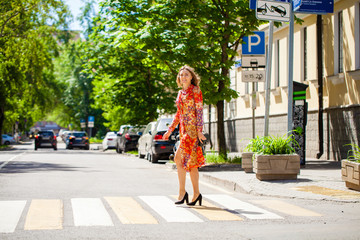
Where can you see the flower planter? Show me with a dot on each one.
(350, 174)
(246, 162)
(277, 167)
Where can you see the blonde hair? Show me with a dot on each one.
(195, 78)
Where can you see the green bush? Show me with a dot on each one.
(271, 145)
(355, 157)
(215, 158)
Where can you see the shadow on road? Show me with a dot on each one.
(26, 167)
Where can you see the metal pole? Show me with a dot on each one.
(253, 101)
(290, 67)
(268, 78)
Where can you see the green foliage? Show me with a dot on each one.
(214, 158)
(355, 156)
(271, 145)
(27, 47)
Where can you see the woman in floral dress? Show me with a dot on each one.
(189, 156)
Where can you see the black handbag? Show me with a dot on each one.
(204, 142)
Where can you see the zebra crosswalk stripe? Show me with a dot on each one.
(168, 210)
(44, 214)
(129, 211)
(90, 212)
(246, 209)
(287, 208)
(10, 213)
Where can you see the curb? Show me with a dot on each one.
(213, 167)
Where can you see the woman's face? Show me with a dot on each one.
(185, 78)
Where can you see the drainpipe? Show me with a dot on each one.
(320, 83)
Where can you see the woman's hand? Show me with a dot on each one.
(166, 136)
(201, 137)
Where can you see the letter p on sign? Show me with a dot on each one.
(254, 44)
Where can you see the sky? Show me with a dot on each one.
(74, 6)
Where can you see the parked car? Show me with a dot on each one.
(161, 149)
(144, 143)
(45, 139)
(128, 140)
(7, 140)
(109, 140)
(78, 139)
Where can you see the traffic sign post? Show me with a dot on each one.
(253, 76)
(91, 120)
(82, 123)
(253, 61)
(254, 44)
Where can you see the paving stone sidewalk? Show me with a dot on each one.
(319, 180)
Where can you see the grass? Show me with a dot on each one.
(95, 140)
(133, 152)
(214, 158)
(355, 157)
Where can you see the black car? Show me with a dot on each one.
(45, 139)
(161, 149)
(78, 139)
(128, 140)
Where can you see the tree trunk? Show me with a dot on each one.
(220, 122)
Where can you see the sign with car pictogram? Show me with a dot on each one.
(273, 11)
(253, 76)
(253, 61)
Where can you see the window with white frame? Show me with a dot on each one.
(277, 63)
(338, 43)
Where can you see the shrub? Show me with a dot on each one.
(271, 145)
(356, 153)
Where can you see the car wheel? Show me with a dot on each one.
(117, 148)
(87, 148)
(7, 143)
(154, 158)
(35, 148)
(55, 148)
(141, 155)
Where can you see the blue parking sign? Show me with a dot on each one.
(254, 44)
(91, 119)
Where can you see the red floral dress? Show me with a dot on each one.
(190, 116)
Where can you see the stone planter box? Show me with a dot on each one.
(247, 162)
(350, 174)
(277, 167)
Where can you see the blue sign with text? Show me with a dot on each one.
(91, 119)
(307, 6)
(254, 44)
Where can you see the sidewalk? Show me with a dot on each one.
(319, 180)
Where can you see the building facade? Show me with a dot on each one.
(330, 126)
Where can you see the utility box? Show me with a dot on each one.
(299, 121)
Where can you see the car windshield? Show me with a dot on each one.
(79, 134)
(46, 134)
(164, 124)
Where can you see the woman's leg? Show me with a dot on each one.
(194, 176)
(181, 174)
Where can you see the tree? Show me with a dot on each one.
(27, 45)
(202, 33)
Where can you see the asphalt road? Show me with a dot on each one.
(79, 194)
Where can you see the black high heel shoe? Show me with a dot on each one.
(185, 198)
(199, 198)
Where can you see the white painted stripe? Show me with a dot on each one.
(168, 210)
(246, 209)
(90, 212)
(11, 159)
(10, 213)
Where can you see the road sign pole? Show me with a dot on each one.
(291, 68)
(268, 78)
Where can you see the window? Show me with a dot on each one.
(341, 42)
(305, 67)
(277, 63)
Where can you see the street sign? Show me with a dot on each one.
(82, 123)
(296, 4)
(91, 120)
(273, 11)
(254, 44)
(253, 76)
(316, 6)
(253, 61)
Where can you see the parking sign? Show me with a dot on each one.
(254, 44)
